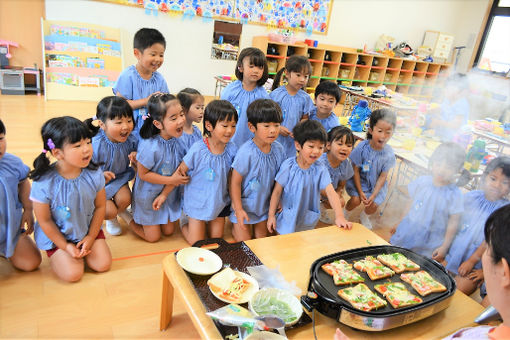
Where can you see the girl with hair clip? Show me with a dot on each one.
(299, 183)
(468, 246)
(254, 169)
(69, 200)
(16, 211)
(208, 163)
(114, 148)
(372, 159)
(296, 104)
(156, 203)
(431, 222)
(192, 103)
(336, 160)
(251, 72)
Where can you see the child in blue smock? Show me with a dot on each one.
(192, 103)
(251, 72)
(465, 252)
(16, 211)
(372, 159)
(254, 169)
(69, 200)
(454, 110)
(156, 200)
(336, 160)
(114, 148)
(432, 219)
(138, 82)
(295, 103)
(327, 96)
(208, 163)
(299, 183)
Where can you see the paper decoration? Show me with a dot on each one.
(311, 16)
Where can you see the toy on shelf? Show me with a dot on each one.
(359, 115)
(475, 155)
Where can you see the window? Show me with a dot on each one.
(494, 51)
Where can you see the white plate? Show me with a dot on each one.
(254, 287)
(199, 261)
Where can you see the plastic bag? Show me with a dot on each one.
(272, 278)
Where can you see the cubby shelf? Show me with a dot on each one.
(346, 66)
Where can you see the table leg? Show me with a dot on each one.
(167, 303)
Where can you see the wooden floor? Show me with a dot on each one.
(122, 303)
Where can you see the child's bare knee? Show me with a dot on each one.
(72, 275)
(152, 238)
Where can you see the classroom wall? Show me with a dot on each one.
(353, 24)
(20, 22)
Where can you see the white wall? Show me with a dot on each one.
(353, 24)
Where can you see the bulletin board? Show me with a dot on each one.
(312, 16)
(82, 61)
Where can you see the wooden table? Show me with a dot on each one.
(353, 97)
(294, 254)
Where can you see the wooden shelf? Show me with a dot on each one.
(341, 64)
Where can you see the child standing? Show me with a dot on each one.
(192, 103)
(299, 183)
(296, 104)
(336, 160)
(251, 72)
(69, 200)
(372, 159)
(16, 211)
(254, 169)
(138, 82)
(114, 146)
(327, 96)
(465, 252)
(208, 163)
(437, 204)
(155, 210)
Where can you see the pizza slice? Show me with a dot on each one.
(374, 269)
(229, 285)
(397, 294)
(423, 283)
(398, 262)
(362, 298)
(342, 272)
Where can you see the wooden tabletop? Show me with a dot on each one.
(294, 255)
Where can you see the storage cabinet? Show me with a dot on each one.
(348, 67)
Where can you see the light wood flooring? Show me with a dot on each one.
(122, 303)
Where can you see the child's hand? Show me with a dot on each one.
(368, 201)
(178, 178)
(153, 94)
(476, 275)
(393, 230)
(271, 224)
(339, 335)
(362, 197)
(343, 223)
(158, 201)
(85, 245)
(108, 176)
(132, 158)
(72, 250)
(465, 268)
(439, 254)
(241, 217)
(27, 219)
(285, 132)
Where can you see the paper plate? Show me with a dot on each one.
(247, 295)
(199, 261)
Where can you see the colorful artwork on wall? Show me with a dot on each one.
(311, 16)
(82, 61)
